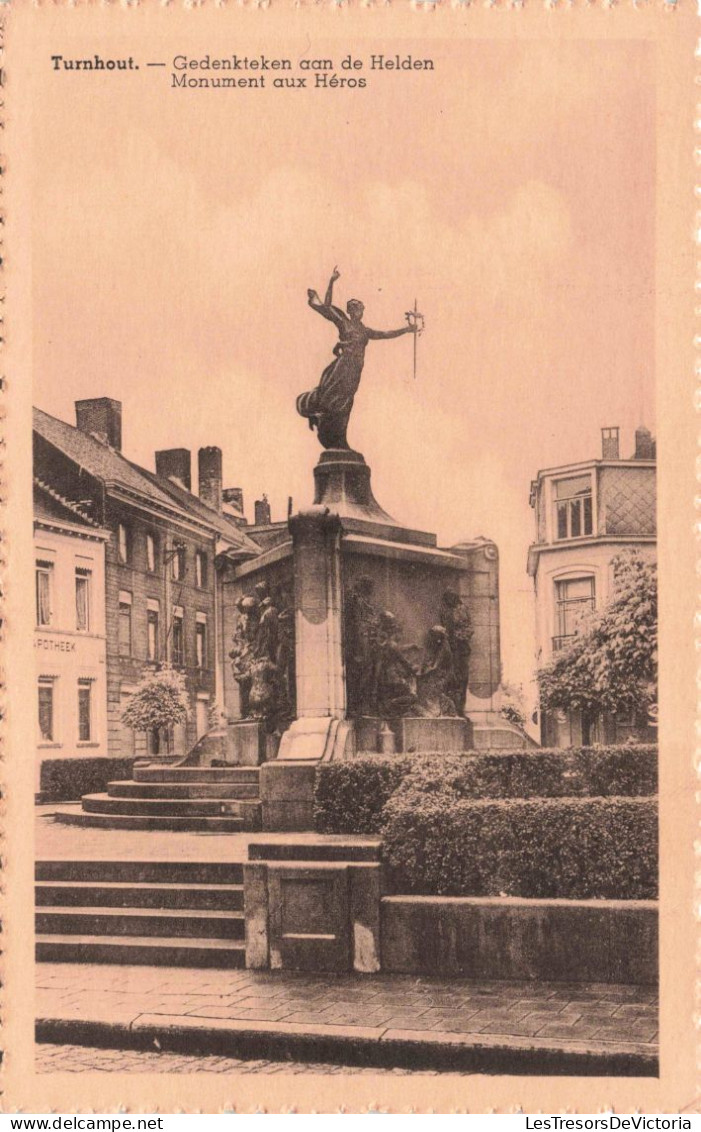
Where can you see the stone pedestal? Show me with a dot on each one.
(416, 733)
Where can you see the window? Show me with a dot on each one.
(82, 599)
(151, 554)
(201, 640)
(84, 711)
(44, 574)
(124, 628)
(46, 710)
(152, 631)
(178, 562)
(123, 543)
(201, 569)
(574, 598)
(178, 637)
(573, 507)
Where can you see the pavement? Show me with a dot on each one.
(56, 841)
(395, 1021)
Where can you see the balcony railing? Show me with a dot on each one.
(560, 643)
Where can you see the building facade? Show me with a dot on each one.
(69, 633)
(586, 514)
(162, 555)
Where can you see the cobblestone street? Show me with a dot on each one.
(79, 1059)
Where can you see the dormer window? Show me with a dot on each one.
(573, 507)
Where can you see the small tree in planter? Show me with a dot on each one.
(158, 703)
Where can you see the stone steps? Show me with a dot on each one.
(166, 807)
(129, 894)
(148, 773)
(241, 791)
(146, 950)
(178, 824)
(162, 913)
(161, 922)
(207, 873)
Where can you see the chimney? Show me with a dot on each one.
(101, 417)
(645, 447)
(609, 444)
(209, 465)
(262, 512)
(234, 497)
(174, 464)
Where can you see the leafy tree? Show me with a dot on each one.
(611, 664)
(158, 702)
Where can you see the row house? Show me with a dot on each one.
(69, 632)
(164, 549)
(586, 514)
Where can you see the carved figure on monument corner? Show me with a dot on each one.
(242, 653)
(455, 618)
(328, 406)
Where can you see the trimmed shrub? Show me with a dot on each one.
(66, 780)
(349, 796)
(570, 773)
(556, 848)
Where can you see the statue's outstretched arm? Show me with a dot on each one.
(408, 329)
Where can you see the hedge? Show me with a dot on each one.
(66, 780)
(350, 795)
(555, 848)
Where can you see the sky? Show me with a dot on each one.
(510, 191)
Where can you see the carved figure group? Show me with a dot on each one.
(263, 656)
(382, 676)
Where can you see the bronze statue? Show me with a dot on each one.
(436, 679)
(361, 631)
(263, 658)
(456, 620)
(328, 406)
(396, 677)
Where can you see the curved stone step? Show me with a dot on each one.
(161, 922)
(141, 872)
(179, 824)
(149, 950)
(163, 807)
(241, 791)
(196, 774)
(136, 894)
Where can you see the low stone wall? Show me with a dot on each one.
(600, 941)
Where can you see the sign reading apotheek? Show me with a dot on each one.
(54, 644)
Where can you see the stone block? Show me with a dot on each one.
(255, 904)
(246, 742)
(287, 795)
(445, 734)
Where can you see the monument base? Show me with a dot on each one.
(415, 734)
(314, 739)
(287, 795)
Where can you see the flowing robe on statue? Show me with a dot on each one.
(332, 399)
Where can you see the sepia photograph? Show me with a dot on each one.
(340, 612)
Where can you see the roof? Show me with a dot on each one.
(110, 466)
(49, 504)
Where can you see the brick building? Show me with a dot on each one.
(585, 515)
(166, 545)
